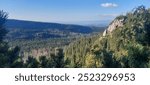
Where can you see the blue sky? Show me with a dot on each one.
(68, 10)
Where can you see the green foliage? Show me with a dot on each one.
(43, 61)
(18, 63)
(3, 45)
(54, 61)
(8, 56)
(75, 53)
(59, 58)
(3, 54)
(138, 56)
(127, 46)
(31, 63)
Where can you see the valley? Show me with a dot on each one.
(43, 38)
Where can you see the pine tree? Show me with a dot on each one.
(3, 45)
(8, 57)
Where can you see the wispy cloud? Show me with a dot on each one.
(108, 5)
(107, 16)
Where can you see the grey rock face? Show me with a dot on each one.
(114, 25)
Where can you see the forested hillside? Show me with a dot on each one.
(19, 29)
(125, 43)
(22, 24)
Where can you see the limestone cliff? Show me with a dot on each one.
(115, 24)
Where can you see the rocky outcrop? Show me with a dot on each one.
(114, 25)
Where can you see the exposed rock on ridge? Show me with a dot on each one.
(114, 25)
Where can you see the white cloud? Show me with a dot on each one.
(107, 5)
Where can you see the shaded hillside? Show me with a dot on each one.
(43, 25)
(125, 43)
(19, 29)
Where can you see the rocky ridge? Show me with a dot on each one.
(115, 24)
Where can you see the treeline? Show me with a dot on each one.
(41, 43)
(39, 47)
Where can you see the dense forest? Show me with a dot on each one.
(124, 44)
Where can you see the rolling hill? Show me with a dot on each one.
(21, 29)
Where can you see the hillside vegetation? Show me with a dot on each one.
(126, 43)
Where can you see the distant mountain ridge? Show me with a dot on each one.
(23, 24)
(97, 23)
(22, 29)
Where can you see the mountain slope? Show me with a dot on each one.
(125, 43)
